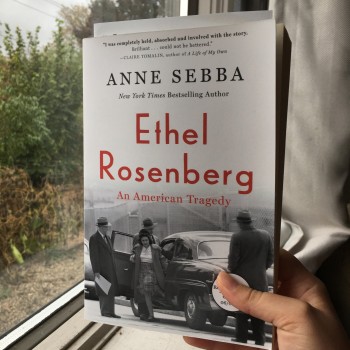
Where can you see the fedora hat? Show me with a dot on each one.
(244, 217)
(148, 223)
(102, 221)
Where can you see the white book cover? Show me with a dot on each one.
(179, 137)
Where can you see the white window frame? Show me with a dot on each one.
(35, 328)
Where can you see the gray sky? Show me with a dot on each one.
(28, 14)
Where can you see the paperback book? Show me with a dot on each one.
(181, 172)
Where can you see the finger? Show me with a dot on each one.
(213, 345)
(266, 306)
(292, 271)
(297, 282)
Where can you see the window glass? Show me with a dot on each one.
(168, 250)
(183, 250)
(121, 243)
(213, 250)
(41, 130)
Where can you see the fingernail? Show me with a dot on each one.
(225, 281)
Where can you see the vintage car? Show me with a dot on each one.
(194, 261)
(89, 284)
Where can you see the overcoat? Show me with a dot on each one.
(101, 257)
(157, 263)
(251, 254)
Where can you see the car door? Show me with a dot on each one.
(175, 278)
(122, 247)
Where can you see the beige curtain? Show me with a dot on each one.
(316, 184)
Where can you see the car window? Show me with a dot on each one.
(213, 249)
(121, 242)
(168, 250)
(183, 250)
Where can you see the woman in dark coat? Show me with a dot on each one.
(149, 271)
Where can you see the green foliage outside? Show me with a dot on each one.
(40, 143)
(41, 127)
(79, 19)
(40, 106)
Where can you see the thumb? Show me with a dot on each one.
(266, 306)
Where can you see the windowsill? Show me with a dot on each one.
(61, 325)
(36, 328)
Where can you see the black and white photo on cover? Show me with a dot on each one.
(166, 259)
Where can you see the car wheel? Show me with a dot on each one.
(195, 317)
(217, 318)
(134, 307)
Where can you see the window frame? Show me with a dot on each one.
(59, 313)
(38, 326)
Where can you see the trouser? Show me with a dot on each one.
(143, 309)
(242, 327)
(106, 300)
(106, 305)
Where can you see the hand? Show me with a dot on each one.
(97, 275)
(302, 312)
(132, 258)
(157, 247)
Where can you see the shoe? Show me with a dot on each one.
(151, 319)
(143, 317)
(241, 340)
(111, 315)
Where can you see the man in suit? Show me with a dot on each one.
(251, 254)
(148, 225)
(101, 256)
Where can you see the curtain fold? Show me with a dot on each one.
(316, 190)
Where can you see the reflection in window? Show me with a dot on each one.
(121, 243)
(213, 250)
(168, 250)
(41, 157)
(183, 250)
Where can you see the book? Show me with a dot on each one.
(184, 128)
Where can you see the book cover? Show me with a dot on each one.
(179, 153)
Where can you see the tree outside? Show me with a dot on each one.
(80, 19)
(41, 148)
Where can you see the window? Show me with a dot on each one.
(41, 234)
(213, 249)
(168, 250)
(41, 191)
(122, 242)
(183, 250)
